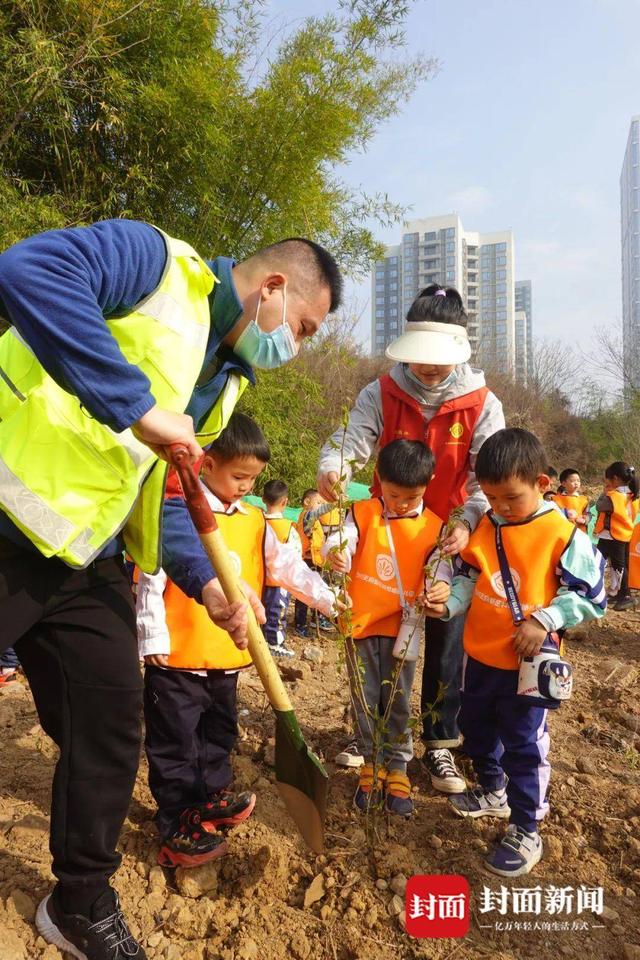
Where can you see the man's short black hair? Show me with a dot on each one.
(511, 453)
(569, 472)
(242, 437)
(315, 265)
(407, 463)
(274, 490)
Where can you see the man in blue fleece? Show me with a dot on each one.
(74, 627)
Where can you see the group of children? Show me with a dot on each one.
(528, 573)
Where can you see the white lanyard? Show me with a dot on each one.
(394, 560)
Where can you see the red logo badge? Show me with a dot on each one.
(437, 905)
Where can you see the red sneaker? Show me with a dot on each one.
(191, 844)
(225, 809)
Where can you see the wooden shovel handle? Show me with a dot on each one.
(213, 542)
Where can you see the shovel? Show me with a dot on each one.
(301, 778)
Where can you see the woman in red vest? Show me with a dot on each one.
(433, 395)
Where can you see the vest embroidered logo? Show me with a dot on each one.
(384, 567)
(498, 585)
(236, 563)
(456, 430)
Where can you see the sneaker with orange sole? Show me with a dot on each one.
(226, 808)
(192, 844)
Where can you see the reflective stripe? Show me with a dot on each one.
(32, 511)
(224, 407)
(137, 450)
(171, 314)
(12, 385)
(84, 550)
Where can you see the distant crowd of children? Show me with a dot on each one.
(529, 572)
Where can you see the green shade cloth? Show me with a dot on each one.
(355, 491)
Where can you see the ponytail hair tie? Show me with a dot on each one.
(632, 470)
(440, 293)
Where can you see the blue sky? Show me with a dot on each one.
(524, 127)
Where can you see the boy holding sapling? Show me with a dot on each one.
(527, 574)
(384, 547)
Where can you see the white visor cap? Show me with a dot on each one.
(426, 341)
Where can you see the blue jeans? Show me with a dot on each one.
(442, 672)
(9, 659)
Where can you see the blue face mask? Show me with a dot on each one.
(267, 350)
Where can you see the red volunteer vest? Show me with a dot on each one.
(449, 434)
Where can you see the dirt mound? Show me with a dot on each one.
(270, 899)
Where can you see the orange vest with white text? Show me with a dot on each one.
(196, 642)
(533, 550)
(281, 526)
(620, 521)
(449, 434)
(373, 586)
(576, 502)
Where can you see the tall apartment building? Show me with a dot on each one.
(480, 265)
(524, 330)
(630, 235)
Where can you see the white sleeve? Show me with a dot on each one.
(349, 534)
(287, 568)
(153, 634)
(489, 422)
(294, 540)
(361, 436)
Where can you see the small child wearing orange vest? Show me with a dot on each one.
(275, 599)
(572, 503)
(389, 539)
(614, 528)
(191, 671)
(527, 573)
(312, 529)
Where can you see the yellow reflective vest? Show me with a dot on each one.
(70, 483)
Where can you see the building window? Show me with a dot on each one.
(451, 275)
(451, 261)
(450, 247)
(501, 301)
(379, 301)
(501, 288)
(501, 248)
(501, 314)
(501, 261)
(501, 274)
(450, 232)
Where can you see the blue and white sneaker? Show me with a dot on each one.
(481, 803)
(280, 651)
(516, 854)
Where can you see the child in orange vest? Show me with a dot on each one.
(556, 582)
(573, 503)
(192, 666)
(311, 526)
(389, 540)
(274, 597)
(614, 528)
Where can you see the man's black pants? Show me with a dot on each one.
(190, 730)
(74, 632)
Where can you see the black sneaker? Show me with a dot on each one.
(191, 844)
(442, 770)
(624, 603)
(226, 808)
(102, 936)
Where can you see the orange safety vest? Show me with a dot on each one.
(449, 434)
(620, 522)
(634, 556)
(196, 642)
(281, 526)
(575, 501)
(311, 547)
(373, 587)
(533, 548)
